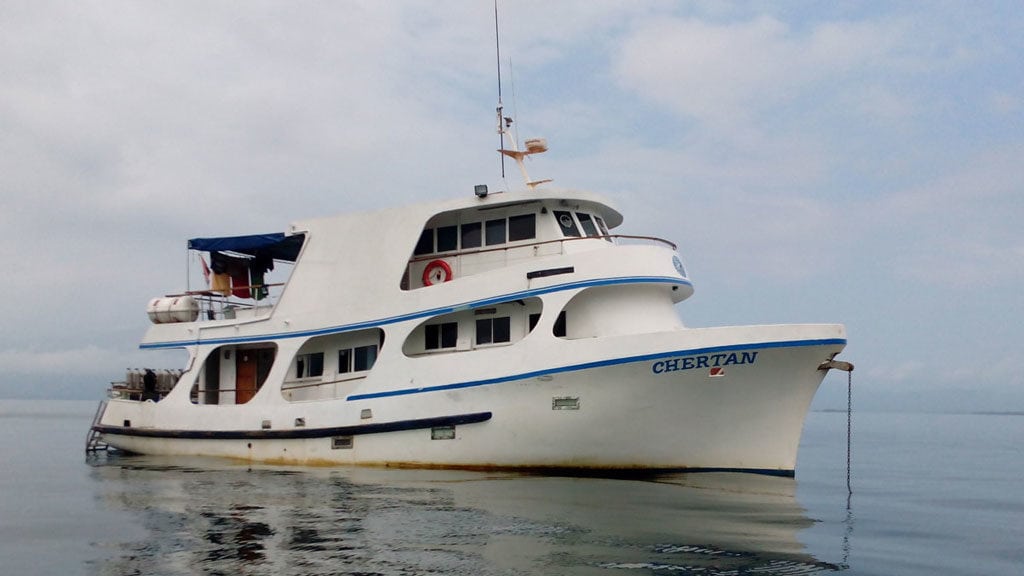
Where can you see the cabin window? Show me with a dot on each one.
(426, 243)
(440, 336)
(471, 235)
(493, 330)
(495, 232)
(447, 238)
(309, 365)
(567, 224)
(523, 227)
(358, 359)
(364, 357)
(587, 223)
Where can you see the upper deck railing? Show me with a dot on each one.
(214, 305)
(505, 247)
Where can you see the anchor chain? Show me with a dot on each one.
(848, 368)
(849, 426)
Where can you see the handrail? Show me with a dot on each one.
(214, 293)
(651, 238)
(506, 246)
(285, 386)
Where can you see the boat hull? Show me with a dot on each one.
(736, 406)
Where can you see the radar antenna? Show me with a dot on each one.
(533, 145)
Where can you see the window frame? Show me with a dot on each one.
(442, 335)
(487, 331)
(304, 364)
(491, 232)
(567, 232)
(588, 225)
(519, 220)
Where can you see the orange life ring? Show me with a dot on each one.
(434, 267)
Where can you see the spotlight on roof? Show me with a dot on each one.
(480, 190)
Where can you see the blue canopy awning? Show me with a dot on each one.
(275, 245)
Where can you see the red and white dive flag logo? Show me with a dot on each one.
(716, 372)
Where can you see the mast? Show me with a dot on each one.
(501, 129)
(533, 145)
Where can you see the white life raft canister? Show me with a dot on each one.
(173, 309)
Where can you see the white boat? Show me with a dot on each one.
(496, 330)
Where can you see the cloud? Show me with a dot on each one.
(84, 360)
(860, 162)
(960, 229)
(728, 74)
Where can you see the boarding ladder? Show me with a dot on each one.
(93, 442)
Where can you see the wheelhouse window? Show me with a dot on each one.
(587, 223)
(426, 243)
(440, 336)
(471, 237)
(493, 330)
(309, 365)
(604, 229)
(522, 227)
(447, 238)
(566, 223)
(495, 232)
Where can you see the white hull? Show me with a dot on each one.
(651, 410)
(500, 331)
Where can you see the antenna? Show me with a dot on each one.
(533, 145)
(497, 51)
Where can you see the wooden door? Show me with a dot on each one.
(245, 376)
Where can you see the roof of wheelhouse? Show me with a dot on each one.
(574, 199)
(287, 246)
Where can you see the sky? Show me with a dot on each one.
(851, 162)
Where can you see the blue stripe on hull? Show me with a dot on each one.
(601, 364)
(422, 314)
(297, 433)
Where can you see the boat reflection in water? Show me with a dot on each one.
(210, 517)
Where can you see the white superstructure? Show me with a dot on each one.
(504, 330)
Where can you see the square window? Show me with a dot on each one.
(447, 238)
(493, 330)
(523, 227)
(425, 244)
(495, 232)
(471, 235)
(441, 335)
(309, 365)
(365, 357)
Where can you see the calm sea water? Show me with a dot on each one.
(933, 494)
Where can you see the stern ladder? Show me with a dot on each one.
(93, 441)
